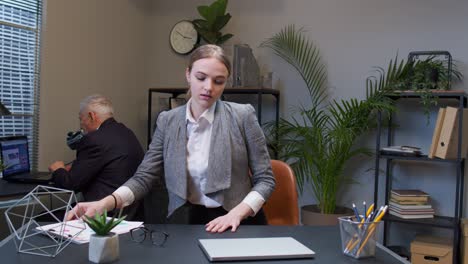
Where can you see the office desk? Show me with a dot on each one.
(182, 247)
(9, 193)
(10, 190)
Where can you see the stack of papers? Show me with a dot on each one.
(71, 230)
(401, 150)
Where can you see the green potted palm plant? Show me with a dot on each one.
(104, 244)
(318, 139)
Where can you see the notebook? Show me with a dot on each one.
(14, 153)
(231, 249)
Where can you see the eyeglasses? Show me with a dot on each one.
(158, 238)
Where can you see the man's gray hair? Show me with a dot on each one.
(99, 104)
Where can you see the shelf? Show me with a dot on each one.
(422, 158)
(178, 91)
(453, 94)
(437, 221)
(447, 222)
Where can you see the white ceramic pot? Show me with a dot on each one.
(104, 249)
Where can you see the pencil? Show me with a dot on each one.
(372, 229)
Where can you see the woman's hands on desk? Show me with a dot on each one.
(91, 208)
(231, 219)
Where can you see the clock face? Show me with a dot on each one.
(184, 37)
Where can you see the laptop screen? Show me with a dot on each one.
(15, 156)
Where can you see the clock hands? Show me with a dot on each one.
(182, 35)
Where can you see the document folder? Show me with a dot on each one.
(436, 135)
(230, 249)
(447, 147)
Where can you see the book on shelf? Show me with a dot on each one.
(409, 216)
(412, 211)
(401, 150)
(409, 193)
(409, 202)
(409, 206)
(409, 196)
(423, 199)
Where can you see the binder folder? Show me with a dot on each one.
(447, 146)
(436, 135)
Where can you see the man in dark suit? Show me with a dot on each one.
(106, 157)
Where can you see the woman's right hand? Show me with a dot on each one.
(89, 208)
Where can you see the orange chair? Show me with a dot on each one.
(282, 207)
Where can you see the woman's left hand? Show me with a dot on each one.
(231, 219)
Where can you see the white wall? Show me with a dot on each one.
(89, 47)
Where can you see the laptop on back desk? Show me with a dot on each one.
(14, 152)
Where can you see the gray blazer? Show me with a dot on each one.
(237, 145)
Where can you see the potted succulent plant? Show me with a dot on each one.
(318, 139)
(104, 244)
(214, 20)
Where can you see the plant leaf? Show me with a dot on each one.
(220, 7)
(206, 13)
(220, 21)
(318, 140)
(223, 39)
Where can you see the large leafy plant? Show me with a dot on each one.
(319, 138)
(214, 20)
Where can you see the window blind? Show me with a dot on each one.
(20, 24)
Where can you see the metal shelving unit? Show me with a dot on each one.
(453, 222)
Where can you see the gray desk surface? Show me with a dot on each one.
(182, 247)
(8, 189)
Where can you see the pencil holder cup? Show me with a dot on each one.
(358, 239)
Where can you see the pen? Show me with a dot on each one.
(365, 209)
(376, 214)
(358, 218)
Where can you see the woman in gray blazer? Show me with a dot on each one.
(213, 154)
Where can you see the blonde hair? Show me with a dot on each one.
(208, 51)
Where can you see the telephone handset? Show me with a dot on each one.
(73, 138)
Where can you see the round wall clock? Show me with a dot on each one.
(184, 37)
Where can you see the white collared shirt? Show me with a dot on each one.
(198, 154)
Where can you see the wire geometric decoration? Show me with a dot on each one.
(39, 207)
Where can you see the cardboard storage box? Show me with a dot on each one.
(464, 242)
(431, 250)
